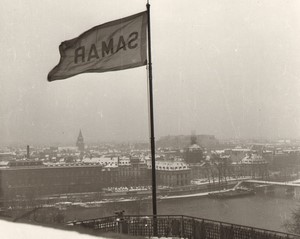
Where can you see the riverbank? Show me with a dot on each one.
(260, 210)
(90, 200)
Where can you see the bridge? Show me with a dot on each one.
(279, 188)
(176, 226)
(286, 184)
(286, 188)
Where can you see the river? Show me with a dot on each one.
(260, 210)
(257, 211)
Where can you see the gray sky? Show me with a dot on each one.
(228, 68)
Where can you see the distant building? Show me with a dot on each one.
(80, 142)
(252, 158)
(7, 156)
(133, 172)
(201, 170)
(172, 173)
(252, 165)
(237, 154)
(194, 154)
(183, 141)
(29, 180)
(286, 164)
(258, 149)
(33, 179)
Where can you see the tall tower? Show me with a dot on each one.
(80, 142)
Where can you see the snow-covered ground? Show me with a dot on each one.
(13, 230)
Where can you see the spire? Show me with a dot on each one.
(80, 142)
(80, 135)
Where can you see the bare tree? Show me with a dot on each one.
(293, 224)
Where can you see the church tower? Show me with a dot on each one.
(80, 142)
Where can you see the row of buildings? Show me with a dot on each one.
(62, 171)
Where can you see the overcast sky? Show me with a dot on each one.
(228, 68)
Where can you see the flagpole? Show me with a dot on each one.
(152, 138)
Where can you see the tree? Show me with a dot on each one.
(293, 224)
(217, 162)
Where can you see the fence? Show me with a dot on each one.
(179, 226)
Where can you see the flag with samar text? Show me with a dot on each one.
(112, 46)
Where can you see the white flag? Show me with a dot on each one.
(112, 46)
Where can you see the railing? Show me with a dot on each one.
(179, 226)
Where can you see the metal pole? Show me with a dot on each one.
(152, 138)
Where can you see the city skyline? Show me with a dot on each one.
(229, 70)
